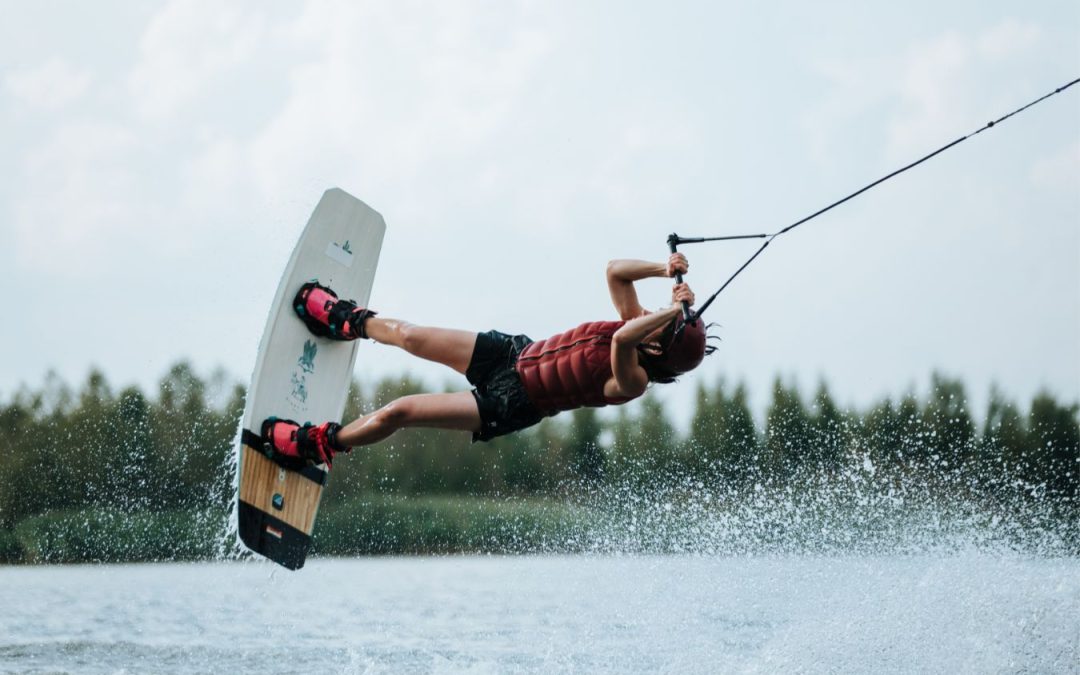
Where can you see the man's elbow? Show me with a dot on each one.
(632, 386)
(622, 339)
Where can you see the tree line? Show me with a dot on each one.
(93, 447)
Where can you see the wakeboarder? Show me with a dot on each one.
(516, 381)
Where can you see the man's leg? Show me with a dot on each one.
(438, 411)
(453, 348)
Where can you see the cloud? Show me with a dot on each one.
(1060, 171)
(368, 105)
(856, 86)
(215, 168)
(185, 48)
(935, 95)
(77, 202)
(50, 85)
(933, 89)
(389, 101)
(103, 179)
(463, 104)
(1007, 38)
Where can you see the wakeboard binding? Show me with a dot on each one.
(294, 446)
(327, 315)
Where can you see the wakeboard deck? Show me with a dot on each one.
(302, 377)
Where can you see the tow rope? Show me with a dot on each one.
(675, 240)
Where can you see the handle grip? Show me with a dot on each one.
(673, 241)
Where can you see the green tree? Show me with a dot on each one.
(882, 436)
(706, 443)
(740, 441)
(787, 431)
(18, 426)
(828, 432)
(1004, 443)
(951, 428)
(89, 464)
(529, 459)
(623, 455)
(915, 434)
(645, 449)
(723, 437)
(1055, 460)
(187, 460)
(131, 446)
(586, 456)
(657, 443)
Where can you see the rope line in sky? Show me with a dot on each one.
(674, 239)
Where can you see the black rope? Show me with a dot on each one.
(769, 237)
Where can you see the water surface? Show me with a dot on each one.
(964, 613)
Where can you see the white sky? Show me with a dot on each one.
(160, 159)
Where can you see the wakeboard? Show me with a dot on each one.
(302, 377)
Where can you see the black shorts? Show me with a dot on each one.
(500, 395)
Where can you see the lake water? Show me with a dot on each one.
(961, 613)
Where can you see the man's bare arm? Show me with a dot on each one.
(629, 378)
(621, 275)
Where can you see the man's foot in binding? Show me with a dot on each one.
(296, 445)
(328, 316)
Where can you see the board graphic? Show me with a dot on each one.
(303, 377)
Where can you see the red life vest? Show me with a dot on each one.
(569, 370)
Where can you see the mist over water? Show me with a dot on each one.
(853, 513)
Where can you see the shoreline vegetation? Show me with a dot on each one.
(93, 475)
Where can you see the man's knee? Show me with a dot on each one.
(412, 337)
(397, 414)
